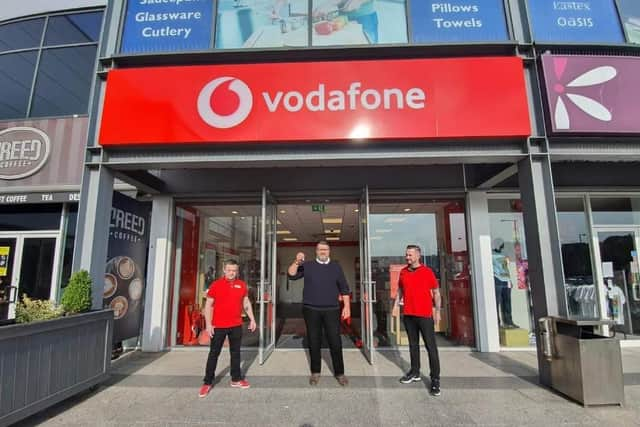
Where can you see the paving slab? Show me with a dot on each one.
(499, 389)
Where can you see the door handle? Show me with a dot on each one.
(374, 292)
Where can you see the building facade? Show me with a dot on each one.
(498, 135)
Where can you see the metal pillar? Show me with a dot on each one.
(92, 233)
(156, 302)
(543, 245)
(486, 320)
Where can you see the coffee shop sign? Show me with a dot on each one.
(23, 152)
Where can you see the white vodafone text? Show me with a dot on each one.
(352, 99)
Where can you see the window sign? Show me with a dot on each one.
(255, 24)
(630, 16)
(358, 22)
(167, 26)
(591, 21)
(435, 21)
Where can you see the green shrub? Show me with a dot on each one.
(32, 310)
(77, 295)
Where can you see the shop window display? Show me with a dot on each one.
(511, 273)
(581, 295)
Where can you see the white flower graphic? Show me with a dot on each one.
(590, 106)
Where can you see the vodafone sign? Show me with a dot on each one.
(317, 101)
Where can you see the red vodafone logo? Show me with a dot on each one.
(225, 102)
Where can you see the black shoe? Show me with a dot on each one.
(410, 378)
(435, 388)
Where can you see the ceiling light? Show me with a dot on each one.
(283, 211)
(278, 221)
(332, 231)
(333, 238)
(395, 219)
(332, 220)
(283, 232)
(290, 239)
(356, 210)
(407, 209)
(384, 230)
(234, 212)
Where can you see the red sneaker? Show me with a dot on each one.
(205, 389)
(240, 384)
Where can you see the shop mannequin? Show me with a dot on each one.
(503, 285)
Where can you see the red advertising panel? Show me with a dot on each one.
(317, 101)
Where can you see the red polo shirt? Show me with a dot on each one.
(416, 288)
(227, 302)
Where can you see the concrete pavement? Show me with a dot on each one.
(498, 389)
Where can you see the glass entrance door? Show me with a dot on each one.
(37, 265)
(268, 277)
(367, 286)
(620, 278)
(8, 288)
(28, 266)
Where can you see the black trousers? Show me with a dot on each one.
(328, 321)
(424, 326)
(503, 300)
(235, 341)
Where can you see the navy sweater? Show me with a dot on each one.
(322, 283)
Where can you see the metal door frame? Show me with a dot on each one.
(265, 349)
(367, 286)
(20, 236)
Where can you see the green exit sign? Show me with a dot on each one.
(317, 208)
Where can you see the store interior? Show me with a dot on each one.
(207, 235)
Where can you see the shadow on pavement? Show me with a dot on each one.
(509, 366)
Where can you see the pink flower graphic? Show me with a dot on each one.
(593, 108)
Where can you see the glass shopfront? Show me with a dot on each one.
(368, 239)
(600, 263)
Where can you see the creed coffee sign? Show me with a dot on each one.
(23, 152)
(317, 101)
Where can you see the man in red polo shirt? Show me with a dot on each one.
(226, 298)
(418, 288)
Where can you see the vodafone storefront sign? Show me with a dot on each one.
(404, 99)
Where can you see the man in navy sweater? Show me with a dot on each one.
(323, 281)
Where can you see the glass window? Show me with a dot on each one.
(76, 28)
(511, 273)
(576, 259)
(262, 24)
(615, 211)
(30, 217)
(21, 35)
(64, 81)
(206, 237)
(16, 78)
(438, 228)
(362, 22)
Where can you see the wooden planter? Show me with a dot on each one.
(43, 363)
